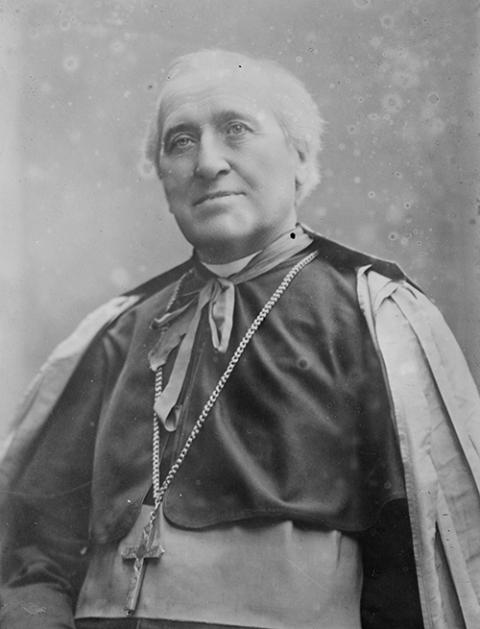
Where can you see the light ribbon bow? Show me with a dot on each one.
(219, 294)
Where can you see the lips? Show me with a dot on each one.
(210, 196)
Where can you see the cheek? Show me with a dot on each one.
(275, 164)
(175, 174)
(175, 185)
(277, 178)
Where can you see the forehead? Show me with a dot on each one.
(201, 97)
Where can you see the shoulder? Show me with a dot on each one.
(55, 374)
(109, 313)
(346, 258)
(159, 282)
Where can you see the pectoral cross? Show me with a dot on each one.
(148, 548)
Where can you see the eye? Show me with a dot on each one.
(236, 129)
(180, 143)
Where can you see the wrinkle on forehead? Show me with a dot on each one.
(206, 94)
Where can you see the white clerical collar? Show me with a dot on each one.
(229, 268)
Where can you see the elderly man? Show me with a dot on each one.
(275, 434)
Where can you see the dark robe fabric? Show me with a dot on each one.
(301, 432)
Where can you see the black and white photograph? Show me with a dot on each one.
(240, 323)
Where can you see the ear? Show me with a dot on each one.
(301, 168)
(157, 169)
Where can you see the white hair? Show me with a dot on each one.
(291, 103)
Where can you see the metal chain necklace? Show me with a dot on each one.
(147, 549)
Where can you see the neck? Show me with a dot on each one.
(231, 252)
(228, 268)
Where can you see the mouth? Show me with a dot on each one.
(216, 195)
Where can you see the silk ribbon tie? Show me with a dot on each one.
(220, 313)
(181, 324)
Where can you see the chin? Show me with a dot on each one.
(220, 229)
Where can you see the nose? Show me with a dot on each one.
(211, 156)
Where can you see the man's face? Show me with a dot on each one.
(226, 166)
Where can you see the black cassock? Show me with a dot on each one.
(302, 432)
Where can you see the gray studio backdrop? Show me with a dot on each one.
(83, 218)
